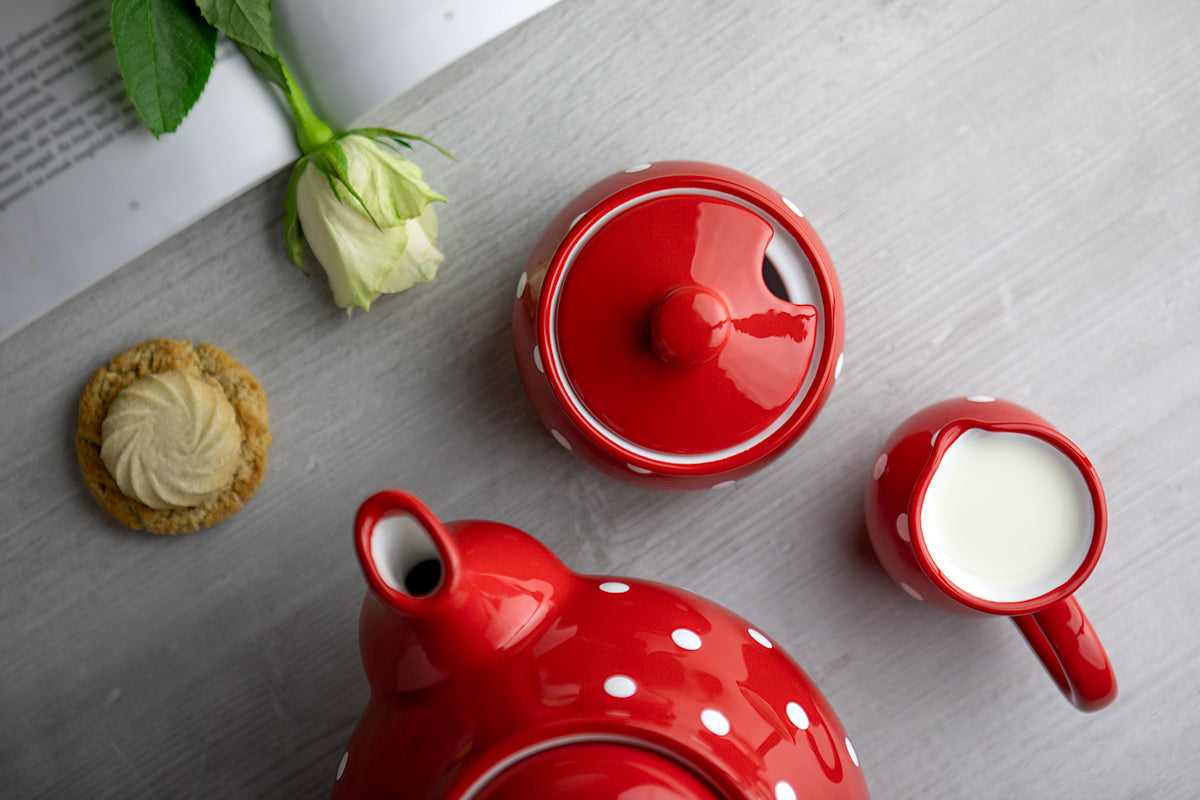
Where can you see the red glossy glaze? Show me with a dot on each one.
(515, 677)
(689, 326)
(1053, 623)
(1063, 638)
(648, 339)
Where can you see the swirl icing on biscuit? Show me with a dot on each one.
(171, 440)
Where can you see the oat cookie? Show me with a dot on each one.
(216, 379)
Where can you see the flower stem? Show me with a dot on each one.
(311, 130)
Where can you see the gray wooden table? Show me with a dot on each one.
(1010, 190)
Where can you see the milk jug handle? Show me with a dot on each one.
(1063, 639)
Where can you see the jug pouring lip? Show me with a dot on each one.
(407, 556)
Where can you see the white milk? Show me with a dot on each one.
(1007, 516)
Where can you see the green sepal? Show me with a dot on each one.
(402, 139)
(292, 233)
(331, 161)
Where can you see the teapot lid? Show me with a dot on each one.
(595, 770)
(692, 321)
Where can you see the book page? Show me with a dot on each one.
(84, 187)
(354, 55)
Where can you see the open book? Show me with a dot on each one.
(84, 188)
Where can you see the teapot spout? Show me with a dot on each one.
(406, 554)
(444, 598)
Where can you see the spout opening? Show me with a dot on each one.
(405, 556)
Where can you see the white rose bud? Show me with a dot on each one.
(366, 214)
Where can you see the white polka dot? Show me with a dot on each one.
(837, 370)
(902, 527)
(912, 592)
(798, 716)
(724, 484)
(880, 466)
(342, 765)
(715, 721)
(614, 587)
(638, 168)
(795, 209)
(758, 637)
(537, 359)
(850, 750)
(522, 282)
(784, 791)
(981, 398)
(558, 437)
(620, 686)
(638, 470)
(688, 640)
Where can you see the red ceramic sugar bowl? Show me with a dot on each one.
(678, 325)
(496, 673)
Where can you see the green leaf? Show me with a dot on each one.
(268, 67)
(292, 233)
(166, 52)
(247, 22)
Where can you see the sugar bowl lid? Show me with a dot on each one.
(693, 321)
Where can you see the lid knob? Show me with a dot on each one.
(690, 325)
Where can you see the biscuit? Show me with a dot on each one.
(202, 361)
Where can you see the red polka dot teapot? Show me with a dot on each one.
(496, 673)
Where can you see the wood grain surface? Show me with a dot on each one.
(1010, 190)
